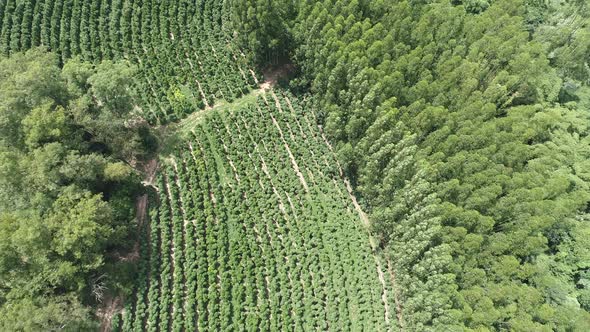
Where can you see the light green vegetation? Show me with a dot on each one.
(180, 48)
(187, 125)
(246, 237)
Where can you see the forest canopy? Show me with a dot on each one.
(464, 125)
(66, 187)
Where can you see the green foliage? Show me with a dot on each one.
(65, 200)
(44, 125)
(33, 74)
(239, 241)
(62, 313)
(170, 43)
(262, 29)
(79, 223)
(109, 86)
(463, 126)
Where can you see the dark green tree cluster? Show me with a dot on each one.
(261, 28)
(464, 126)
(67, 190)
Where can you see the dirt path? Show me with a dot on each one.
(231, 163)
(113, 305)
(171, 307)
(271, 78)
(149, 171)
(266, 172)
(367, 223)
(179, 186)
(380, 273)
(291, 157)
(295, 116)
(286, 145)
(384, 293)
(398, 304)
(203, 96)
(254, 76)
(272, 75)
(274, 189)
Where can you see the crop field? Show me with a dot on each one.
(257, 231)
(181, 48)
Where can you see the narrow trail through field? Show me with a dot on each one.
(149, 172)
(367, 223)
(385, 271)
(271, 79)
(171, 308)
(113, 305)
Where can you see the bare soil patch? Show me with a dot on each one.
(111, 306)
(273, 74)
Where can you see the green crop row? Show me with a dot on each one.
(181, 48)
(257, 232)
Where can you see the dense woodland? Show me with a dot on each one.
(462, 126)
(66, 187)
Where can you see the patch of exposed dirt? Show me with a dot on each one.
(113, 304)
(149, 170)
(110, 307)
(273, 74)
(398, 303)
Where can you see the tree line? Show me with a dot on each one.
(464, 127)
(68, 141)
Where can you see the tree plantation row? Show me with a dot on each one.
(256, 231)
(182, 48)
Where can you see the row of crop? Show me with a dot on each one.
(201, 209)
(300, 147)
(314, 211)
(282, 181)
(133, 319)
(152, 33)
(166, 255)
(260, 251)
(177, 289)
(254, 271)
(215, 240)
(192, 198)
(272, 243)
(178, 222)
(141, 301)
(304, 234)
(329, 168)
